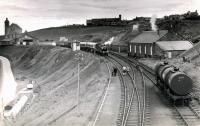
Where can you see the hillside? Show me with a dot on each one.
(54, 73)
(193, 53)
(95, 34)
(179, 30)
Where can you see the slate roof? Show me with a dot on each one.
(15, 26)
(26, 35)
(149, 36)
(174, 45)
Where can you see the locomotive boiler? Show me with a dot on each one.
(101, 49)
(175, 84)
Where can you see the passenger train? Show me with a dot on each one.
(93, 47)
(100, 49)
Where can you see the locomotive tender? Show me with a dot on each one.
(174, 83)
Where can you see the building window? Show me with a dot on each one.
(130, 48)
(145, 49)
(140, 48)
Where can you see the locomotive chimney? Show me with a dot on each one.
(176, 69)
(165, 62)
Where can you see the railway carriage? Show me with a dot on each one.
(88, 46)
(100, 49)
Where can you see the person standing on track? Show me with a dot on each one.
(124, 70)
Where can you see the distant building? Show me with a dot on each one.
(187, 16)
(143, 45)
(191, 15)
(104, 21)
(26, 39)
(143, 23)
(63, 39)
(170, 49)
(108, 22)
(12, 31)
(13, 35)
(75, 45)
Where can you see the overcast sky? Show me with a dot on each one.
(37, 14)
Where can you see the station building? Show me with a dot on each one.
(143, 45)
(150, 44)
(170, 49)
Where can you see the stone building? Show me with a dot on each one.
(143, 45)
(12, 31)
(171, 49)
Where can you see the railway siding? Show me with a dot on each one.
(185, 115)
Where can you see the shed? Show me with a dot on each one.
(26, 39)
(170, 49)
(75, 45)
(143, 45)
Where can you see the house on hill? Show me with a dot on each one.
(26, 39)
(22, 39)
(12, 31)
(170, 49)
(143, 45)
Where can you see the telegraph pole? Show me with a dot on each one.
(79, 57)
(78, 89)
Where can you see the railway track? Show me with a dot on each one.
(126, 94)
(135, 111)
(147, 71)
(189, 115)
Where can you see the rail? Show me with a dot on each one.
(184, 112)
(124, 96)
(141, 95)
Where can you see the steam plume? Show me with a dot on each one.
(109, 41)
(153, 22)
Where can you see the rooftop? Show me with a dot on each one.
(149, 36)
(174, 45)
(15, 25)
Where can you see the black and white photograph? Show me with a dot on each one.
(100, 63)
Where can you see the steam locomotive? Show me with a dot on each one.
(174, 83)
(100, 49)
(92, 47)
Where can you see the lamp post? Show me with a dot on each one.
(79, 57)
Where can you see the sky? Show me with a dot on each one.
(37, 14)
